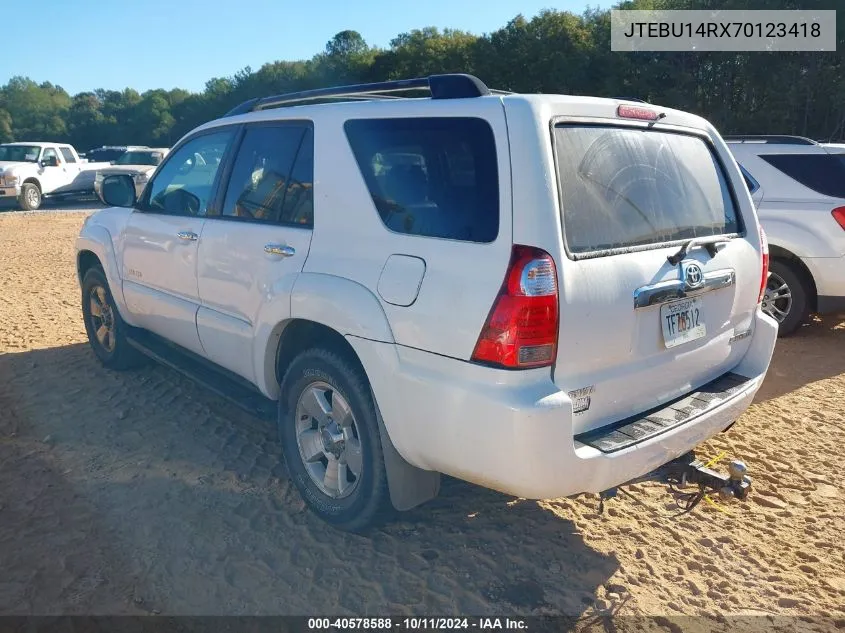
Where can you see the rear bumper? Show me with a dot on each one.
(513, 431)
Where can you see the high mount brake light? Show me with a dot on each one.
(521, 330)
(626, 111)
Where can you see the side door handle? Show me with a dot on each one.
(188, 236)
(279, 250)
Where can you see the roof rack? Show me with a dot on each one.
(450, 86)
(775, 139)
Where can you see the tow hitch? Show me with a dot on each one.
(687, 471)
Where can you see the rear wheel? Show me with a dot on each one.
(786, 298)
(330, 440)
(30, 198)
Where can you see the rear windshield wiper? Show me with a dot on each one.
(709, 242)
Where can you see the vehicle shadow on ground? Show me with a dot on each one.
(64, 205)
(191, 493)
(815, 352)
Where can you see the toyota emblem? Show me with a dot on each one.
(693, 276)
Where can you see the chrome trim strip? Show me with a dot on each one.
(664, 291)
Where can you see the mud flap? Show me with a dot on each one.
(408, 485)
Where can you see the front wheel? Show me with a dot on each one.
(785, 298)
(30, 198)
(330, 440)
(106, 330)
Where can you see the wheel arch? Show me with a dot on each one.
(32, 180)
(408, 485)
(94, 247)
(792, 260)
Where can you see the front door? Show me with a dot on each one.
(52, 173)
(162, 236)
(251, 253)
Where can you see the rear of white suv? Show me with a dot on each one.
(799, 187)
(626, 327)
(543, 295)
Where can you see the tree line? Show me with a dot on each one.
(552, 52)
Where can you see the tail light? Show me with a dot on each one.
(839, 215)
(521, 330)
(764, 245)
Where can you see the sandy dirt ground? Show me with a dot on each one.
(134, 493)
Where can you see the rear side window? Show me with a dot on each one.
(432, 177)
(823, 173)
(272, 178)
(752, 184)
(622, 188)
(68, 155)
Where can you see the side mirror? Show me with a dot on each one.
(118, 191)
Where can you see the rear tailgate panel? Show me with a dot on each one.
(611, 357)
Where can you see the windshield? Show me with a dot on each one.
(19, 153)
(623, 187)
(104, 155)
(139, 158)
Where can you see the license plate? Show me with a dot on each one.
(682, 321)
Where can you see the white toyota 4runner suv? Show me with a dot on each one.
(544, 295)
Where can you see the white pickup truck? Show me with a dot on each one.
(29, 172)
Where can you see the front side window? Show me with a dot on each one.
(823, 173)
(430, 177)
(49, 155)
(272, 177)
(185, 183)
(67, 154)
(625, 187)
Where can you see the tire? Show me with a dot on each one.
(30, 198)
(793, 307)
(362, 499)
(114, 351)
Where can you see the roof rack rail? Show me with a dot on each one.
(449, 86)
(631, 99)
(764, 138)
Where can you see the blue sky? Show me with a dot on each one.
(86, 44)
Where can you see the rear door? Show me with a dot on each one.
(252, 251)
(637, 329)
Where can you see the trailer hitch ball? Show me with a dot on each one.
(738, 482)
(737, 470)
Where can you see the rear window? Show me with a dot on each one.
(752, 184)
(432, 177)
(823, 173)
(623, 188)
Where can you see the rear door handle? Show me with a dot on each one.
(188, 236)
(279, 250)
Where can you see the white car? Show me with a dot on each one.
(32, 171)
(135, 163)
(799, 188)
(544, 295)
